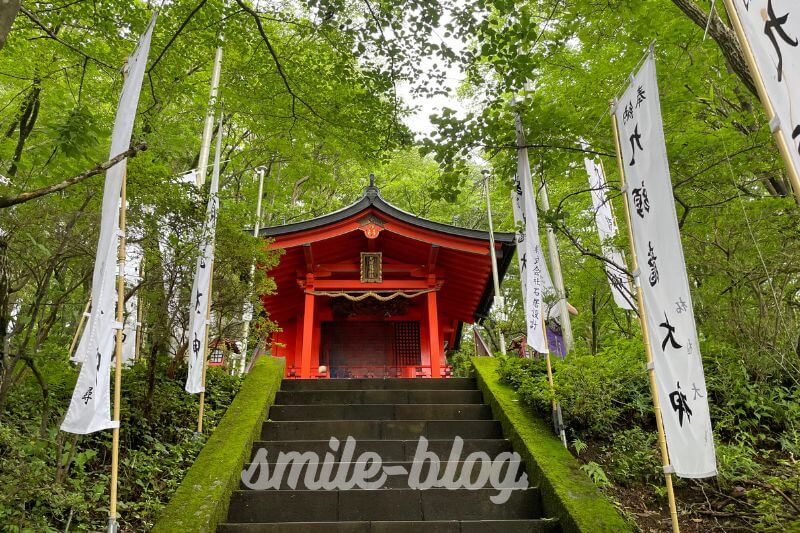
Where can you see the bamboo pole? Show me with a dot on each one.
(112, 510)
(761, 88)
(634, 266)
(498, 298)
(81, 322)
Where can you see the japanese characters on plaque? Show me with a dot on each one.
(371, 267)
(772, 29)
(662, 278)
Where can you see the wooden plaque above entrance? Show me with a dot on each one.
(371, 267)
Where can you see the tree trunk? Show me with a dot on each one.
(8, 12)
(27, 120)
(594, 322)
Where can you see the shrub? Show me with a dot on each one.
(598, 393)
(632, 457)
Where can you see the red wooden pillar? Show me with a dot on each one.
(433, 330)
(308, 332)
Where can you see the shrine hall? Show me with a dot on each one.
(373, 291)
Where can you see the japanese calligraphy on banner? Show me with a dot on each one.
(89, 409)
(772, 29)
(201, 288)
(607, 228)
(663, 280)
(534, 277)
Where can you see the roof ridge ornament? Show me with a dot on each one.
(372, 191)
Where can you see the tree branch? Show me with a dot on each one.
(549, 147)
(176, 34)
(50, 33)
(725, 38)
(278, 65)
(8, 201)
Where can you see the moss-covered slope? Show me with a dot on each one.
(201, 501)
(567, 493)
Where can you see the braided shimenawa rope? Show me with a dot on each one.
(359, 296)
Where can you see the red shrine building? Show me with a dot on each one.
(373, 291)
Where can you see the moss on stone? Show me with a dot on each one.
(567, 493)
(202, 499)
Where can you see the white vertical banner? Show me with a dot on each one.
(89, 409)
(133, 265)
(201, 287)
(772, 29)
(534, 277)
(663, 280)
(607, 229)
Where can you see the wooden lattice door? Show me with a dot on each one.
(406, 344)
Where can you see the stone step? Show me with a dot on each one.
(249, 506)
(380, 429)
(381, 412)
(385, 384)
(537, 525)
(393, 475)
(327, 397)
(388, 450)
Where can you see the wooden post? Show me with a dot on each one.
(634, 266)
(761, 88)
(308, 330)
(81, 322)
(112, 508)
(433, 333)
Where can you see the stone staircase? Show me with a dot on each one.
(385, 416)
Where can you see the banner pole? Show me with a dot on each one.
(761, 88)
(81, 322)
(498, 298)
(112, 510)
(634, 266)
